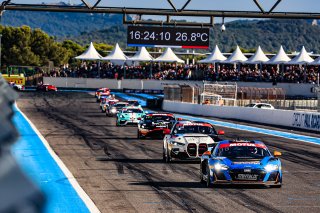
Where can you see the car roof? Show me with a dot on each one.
(159, 114)
(132, 107)
(238, 142)
(193, 123)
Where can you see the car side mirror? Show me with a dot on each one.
(220, 132)
(277, 154)
(166, 131)
(207, 153)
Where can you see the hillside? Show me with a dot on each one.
(61, 25)
(270, 34)
(106, 28)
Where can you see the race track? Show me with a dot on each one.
(123, 174)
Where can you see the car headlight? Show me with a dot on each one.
(219, 167)
(121, 116)
(113, 110)
(177, 143)
(271, 167)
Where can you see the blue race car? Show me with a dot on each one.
(241, 162)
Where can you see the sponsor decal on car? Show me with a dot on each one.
(242, 144)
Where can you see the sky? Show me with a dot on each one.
(285, 5)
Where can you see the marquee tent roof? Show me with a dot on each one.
(115, 55)
(236, 57)
(258, 57)
(90, 54)
(168, 56)
(302, 58)
(215, 56)
(316, 61)
(141, 55)
(280, 58)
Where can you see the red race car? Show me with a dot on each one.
(154, 124)
(46, 87)
(102, 90)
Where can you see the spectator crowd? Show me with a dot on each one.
(223, 72)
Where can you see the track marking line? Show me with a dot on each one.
(83, 195)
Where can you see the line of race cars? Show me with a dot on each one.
(221, 161)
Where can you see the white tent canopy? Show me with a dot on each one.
(90, 54)
(115, 55)
(316, 61)
(214, 57)
(168, 56)
(280, 58)
(141, 55)
(302, 58)
(236, 57)
(258, 57)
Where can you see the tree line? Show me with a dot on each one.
(27, 47)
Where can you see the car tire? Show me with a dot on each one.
(138, 135)
(201, 174)
(163, 155)
(208, 183)
(168, 157)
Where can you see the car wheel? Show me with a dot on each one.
(201, 174)
(163, 155)
(208, 182)
(168, 157)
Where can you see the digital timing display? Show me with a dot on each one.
(168, 37)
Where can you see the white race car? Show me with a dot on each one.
(189, 140)
(16, 86)
(105, 103)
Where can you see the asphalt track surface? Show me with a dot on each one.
(123, 174)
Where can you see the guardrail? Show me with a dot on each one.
(17, 193)
(292, 89)
(286, 118)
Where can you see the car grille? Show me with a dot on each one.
(202, 148)
(192, 149)
(235, 172)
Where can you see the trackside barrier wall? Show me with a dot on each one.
(286, 118)
(290, 88)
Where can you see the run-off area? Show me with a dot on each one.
(123, 174)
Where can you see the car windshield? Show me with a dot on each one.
(119, 106)
(132, 111)
(250, 105)
(248, 152)
(157, 118)
(194, 129)
(134, 103)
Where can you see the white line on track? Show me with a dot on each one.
(83, 195)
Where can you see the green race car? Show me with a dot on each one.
(129, 115)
